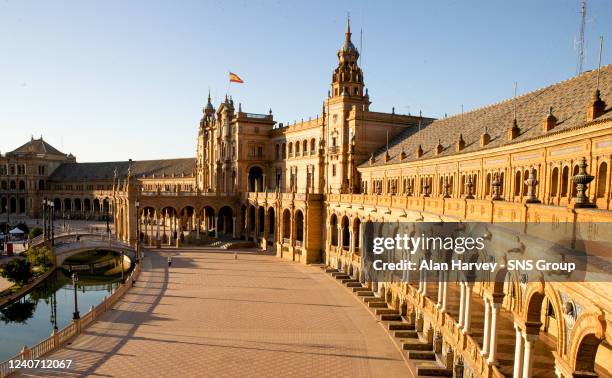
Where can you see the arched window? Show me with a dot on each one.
(517, 183)
(554, 182)
(277, 151)
(488, 185)
(564, 181)
(312, 146)
(572, 178)
(290, 149)
(305, 148)
(284, 151)
(297, 148)
(602, 180)
(525, 176)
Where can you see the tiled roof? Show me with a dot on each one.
(105, 170)
(569, 100)
(37, 146)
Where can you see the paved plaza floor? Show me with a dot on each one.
(212, 315)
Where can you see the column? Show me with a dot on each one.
(257, 224)
(528, 356)
(351, 241)
(468, 308)
(495, 307)
(216, 220)
(486, 334)
(440, 288)
(234, 227)
(461, 306)
(518, 352)
(157, 231)
(445, 290)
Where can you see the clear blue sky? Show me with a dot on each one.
(112, 80)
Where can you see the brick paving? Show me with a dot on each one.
(212, 315)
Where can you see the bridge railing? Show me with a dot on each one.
(59, 338)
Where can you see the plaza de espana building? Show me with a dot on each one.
(303, 190)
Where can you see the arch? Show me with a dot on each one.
(517, 183)
(346, 236)
(356, 234)
(87, 205)
(77, 204)
(57, 204)
(588, 332)
(312, 146)
(251, 221)
(602, 179)
(13, 185)
(226, 221)
(554, 182)
(564, 181)
(333, 223)
(22, 185)
(255, 179)
(271, 222)
(3, 205)
(22, 205)
(286, 234)
(299, 226)
(297, 148)
(67, 204)
(13, 205)
(284, 150)
(305, 147)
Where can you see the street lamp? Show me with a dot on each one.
(44, 216)
(122, 271)
(52, 216)
(107, 218)
(75, 314)
(137, 203)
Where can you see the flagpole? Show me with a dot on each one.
(228, 84)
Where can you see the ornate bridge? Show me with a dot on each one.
(70, 244)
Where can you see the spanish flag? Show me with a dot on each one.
(235, 78)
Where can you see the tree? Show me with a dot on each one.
(40, 256)
(34, 232)
(17, 271)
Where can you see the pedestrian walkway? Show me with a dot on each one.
(210, 314)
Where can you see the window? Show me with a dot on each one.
(602, 178)
(334, 170)
(260, 151)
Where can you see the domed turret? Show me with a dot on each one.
(209, 109)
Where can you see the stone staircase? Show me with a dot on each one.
(423, 361)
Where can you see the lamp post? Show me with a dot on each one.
(137, 203)
(75, 314)
(107, 219)
(122, 270)
(52, 218)
(44, 216)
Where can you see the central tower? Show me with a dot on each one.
(347, 93)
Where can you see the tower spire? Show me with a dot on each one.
(348, 26)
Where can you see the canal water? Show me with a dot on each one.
(51, 304)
